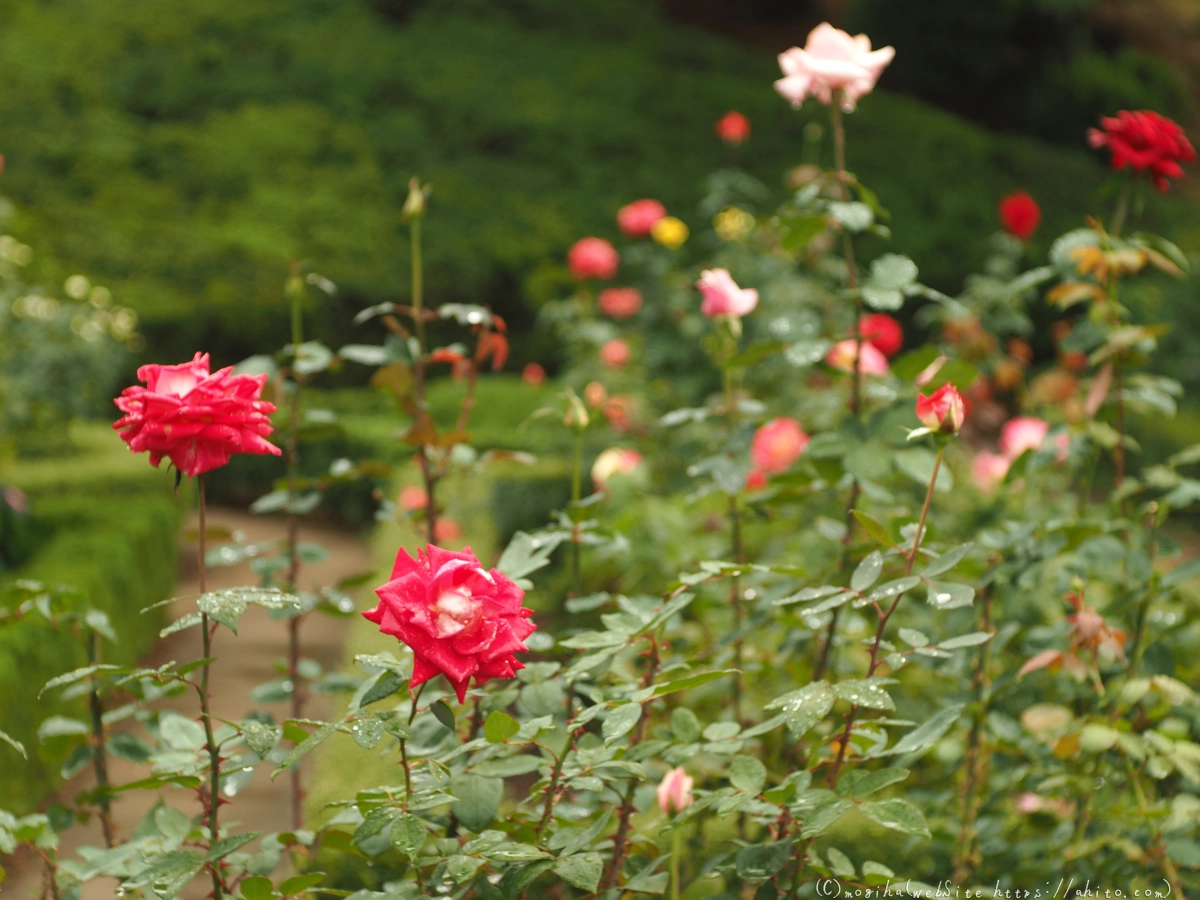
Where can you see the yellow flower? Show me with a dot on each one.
(732, 223)
(670, 232)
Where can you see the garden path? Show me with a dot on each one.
(245, 661)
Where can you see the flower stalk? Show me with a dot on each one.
(214, 754)
(99, 746)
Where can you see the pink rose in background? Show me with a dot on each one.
(592, 257)
(15, 497)
(988, 470)
(722, 296)
(675, 791)
(594, 394)
(841, 356)
(639, 217)
(412, 498)
(446, 530)
(830, 62)
(943, 411)
(883, 331)
(756, 480)
(459, 619)
(533, 374)
(196, 419)
(1021, 434)
(614, 461)
(620, 302)
(733, 128)
(615, 353)
(1029, 802)
(776, 445)
(618, 410)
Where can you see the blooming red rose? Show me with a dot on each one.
(1019, 214)
(636, 219)
(1146, 142)
(620, 302)
(459, 619)
(592, 257)
(733, 127)
(944, 410)
(883, 331)
(196, 419)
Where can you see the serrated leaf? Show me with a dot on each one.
(758, 862)
(367, 732)
(873, 528)
(947, 560)
(974, 639)
(582, 870)
(748, 774)
(385, 685)
(478, 799)
(897, 814)
(946, 595)
(305, 746)
(806, 707)
(229, 844)
(14, 743)
(824, 816)
(682, 684)
(408, 834)
(620, 721)
(926, 735)
(499, 727)
(443, 713)
(60, 726)
(867, 572)
(868, 692)
(860, 783)
(261, 738)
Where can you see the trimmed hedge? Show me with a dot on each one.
(115, 537)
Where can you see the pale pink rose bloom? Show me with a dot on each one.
(870, 360)
(776, 445)
(595, 394)
(722, 296)
(447, 531)
(675, 791)
(1029, 802)
(412, 498)
(614, 461)
(830, 62)
(615, 353)
(1021, 434)
(16, 499)
(639, 217)
(988, 470)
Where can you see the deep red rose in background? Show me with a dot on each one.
(883, 331)
(533, 374)
(733, 127)
(1146, 142)
(636, 219)
(944, 410)
(459, 619)
(1019, 214)
(592, 257)
(196, 419)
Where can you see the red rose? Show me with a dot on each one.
(883, 331)
(620, 302)
(1146, 142)
(1020, 215)
(733, 127)
(639, 217)
(533, 374)
(776, 445)
(592, 257)
(458, 619)
(196, 419)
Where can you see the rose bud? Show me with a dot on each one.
(675, 791)
(733, 128)
(722, 296)
(943, 411)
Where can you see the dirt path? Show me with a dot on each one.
(244, 662)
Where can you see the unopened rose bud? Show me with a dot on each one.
(675, 791)
(943, 411)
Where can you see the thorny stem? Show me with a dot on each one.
(214, 755)
(626, 810)
(1139, 632)
(418, 313)
(676, 852)
(844, 743)
(735, 600)
(843, 563)
(964, 864)
(99, 753)
(1122, 207)
(404, 748)
(293, 544)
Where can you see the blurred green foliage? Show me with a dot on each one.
(181, 153)
(114, 537)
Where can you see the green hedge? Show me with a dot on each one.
(115, 537)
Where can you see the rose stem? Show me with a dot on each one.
(295, 290)
(883, 617)
(99, 752)
(418, 312)
(214, 756)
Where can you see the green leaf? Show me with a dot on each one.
(517, 878)
(478, 799)
(258, 888)
(229, 844)
(917, 464)
(682, 684)
(947, 560)
(957, 372)
(946, 595)
(758, 862)
(60, 726)
(860, 783)
(408, 834)
(620, 721)
(512, 851)
(508, 766)
(526, 553)
(973, 639)
(299, 883)
(261, 738)
(873, 528)
(824, 816)
(499, 727)
(1098, 738)
(582, 870)
(867, 572)
(755, 353)
(74, 676)
(891, 271)
(305, 746)
(684, 725)
(806, 707)
(443, 713)
(748, 774)
(853, 216)
(386, 685)
(911, 364)
(896, 814)
(367, 732)
(926, 735)
(1185, 572)
(868, 692)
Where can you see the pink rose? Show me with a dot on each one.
(831, 62)
(592, 257)
(943, 410)
(756, 480)
(988, 470)
(722, 296)
(620, 302)
(446, 531)
(675, 791)
(196, 419)
(842, 355)
(733, 128)
(1029, 802)
(459, 619)
(412, 498)
(615, 353)
(1021, 434)
(639, 217)
(614, 461)
(776, 445)
(533, 374)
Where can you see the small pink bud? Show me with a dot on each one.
(675, 791)
(943, 411)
